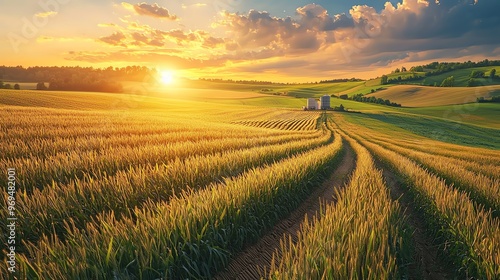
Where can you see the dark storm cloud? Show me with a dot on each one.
(416, 26)
(449, 19)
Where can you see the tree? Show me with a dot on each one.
(41, 86)
(403, 69)
(1, 84)
(477, 74)
(448, 82)
(7, 86)
(472, 82)
(384, 80)
(492, 73)
(397, 70)
(417, 69)
(16, 86)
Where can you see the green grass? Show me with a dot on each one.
(433, 128)
(462, 76)
(424, 96)
(483, 114)
(298, 103)
(268, 101)
(366, 89)
(293, 90)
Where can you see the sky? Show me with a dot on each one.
(280, 40)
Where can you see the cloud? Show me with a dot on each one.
(419, 26)
(316, 17)
(135, 34)
(199, 37)
(315, 41)
(115, 39)
(309, 32)
(46, 14)
(153, 10)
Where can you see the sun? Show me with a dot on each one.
(167, 77)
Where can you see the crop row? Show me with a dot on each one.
(476, 165)
(309, 124)
(38, 124)
(479, 180)
(190, 236)
(360, 236)
(29, 147)
(38, 172)
(44, 211)
(467, 232)
(480, 188)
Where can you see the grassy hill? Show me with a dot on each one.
(423, 96)
(161, 99)
(462, 76)
(440, 129)
(292, 90)
(482, 114)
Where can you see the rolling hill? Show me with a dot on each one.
(423, 96)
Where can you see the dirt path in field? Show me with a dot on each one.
(427, 264)
(250, 263)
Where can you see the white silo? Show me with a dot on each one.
(325, 102)
(312, 104)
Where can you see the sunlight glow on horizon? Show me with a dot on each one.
(166, 77)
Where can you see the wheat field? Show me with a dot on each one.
(177, 189)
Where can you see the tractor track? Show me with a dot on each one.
(255, 261)
(427, 263)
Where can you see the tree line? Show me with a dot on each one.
(231, 81)
(340, 80)
(371, 99)
(494, 99)
(76, 78)
(436, 68)
(474, 78)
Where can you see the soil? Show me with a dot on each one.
(254, 260)
(427, 263)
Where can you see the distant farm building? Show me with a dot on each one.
(312, 104)
(322, 104)
(325, 102)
